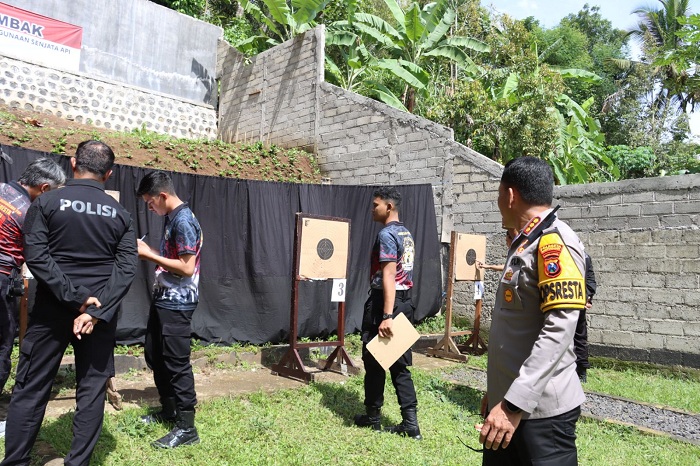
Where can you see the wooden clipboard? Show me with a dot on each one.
(387, 350)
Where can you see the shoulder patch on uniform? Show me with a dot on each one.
(561, 283)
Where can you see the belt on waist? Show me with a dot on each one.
(401, 294)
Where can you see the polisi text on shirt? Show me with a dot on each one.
(88, 208)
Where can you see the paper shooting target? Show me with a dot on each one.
(469, 250)
(324, 248)
(114, 194)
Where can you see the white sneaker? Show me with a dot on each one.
(2, 428)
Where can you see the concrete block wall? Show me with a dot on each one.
(138, 43)
(271, 97)
(644, 235)
(644, 238)
(103, 103)
(362, 141)
(474, 210)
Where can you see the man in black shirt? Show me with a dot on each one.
(15, 197)
(391, 286)
(81, 248)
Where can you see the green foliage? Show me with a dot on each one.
(411, 43)
(59, 145)
(279, 21)
(277, 428)
(604, 43)
(193, 8)
(237, 30)
(520, 108)
(684, 61)
(506, 113)
(579, 155)
(661, 30)
(679, 158)
(638, 162)
(135, 350)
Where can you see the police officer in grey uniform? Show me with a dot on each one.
(81, 248)
(533, 395)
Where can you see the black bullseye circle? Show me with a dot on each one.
(324, 248)
(471, 257)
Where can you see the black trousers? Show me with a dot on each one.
(8, 329)
(540, 442)
(48, 334)
(581, 343)
(374, 372)
(167, 352)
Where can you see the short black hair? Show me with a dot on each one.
(156, 182)
(94, 157)
(532, 178)
(388, 193)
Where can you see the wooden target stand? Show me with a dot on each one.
(465, 250)
(475, 344)
(321, 251)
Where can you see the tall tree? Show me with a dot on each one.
(658, 28)
(519, 108)
(605, 43)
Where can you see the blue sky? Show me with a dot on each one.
(550, 12)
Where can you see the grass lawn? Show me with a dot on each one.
(312, 426)
(674, 387)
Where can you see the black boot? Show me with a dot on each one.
(582, 375)
(184, 432)
(371, 419)
(409, 425)
(167, 413)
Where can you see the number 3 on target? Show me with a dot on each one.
(338, 293)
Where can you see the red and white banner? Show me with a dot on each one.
(39, 39)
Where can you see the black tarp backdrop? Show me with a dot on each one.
(246, 274)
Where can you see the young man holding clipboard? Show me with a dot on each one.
(391, 283)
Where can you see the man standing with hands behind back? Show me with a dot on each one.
(15, 197)
(533, 393)
(175, 297)
(79, 244)
(391, 278)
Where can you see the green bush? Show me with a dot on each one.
(638, 162)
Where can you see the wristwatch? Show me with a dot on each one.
(387, 316)
(512, 408)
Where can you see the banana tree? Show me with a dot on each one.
(579, 156)
(356, 69)
(280, 21)
(417, 37)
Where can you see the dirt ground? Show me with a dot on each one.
(49, 133)
(223, 376)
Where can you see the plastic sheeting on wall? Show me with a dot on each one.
(246, 263)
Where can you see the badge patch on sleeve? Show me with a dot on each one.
(508, 295)
(560, 281)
